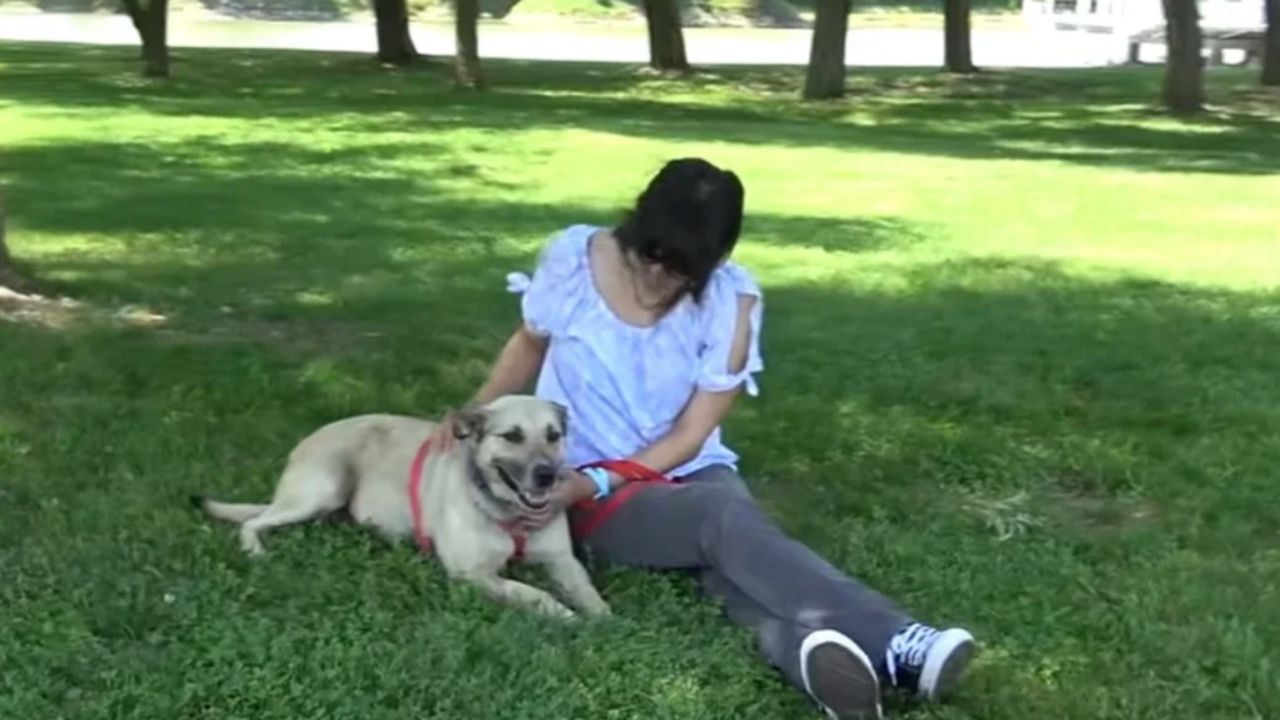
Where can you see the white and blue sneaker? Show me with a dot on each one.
(928, 662)
(839, 676)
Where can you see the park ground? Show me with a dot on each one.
(1022, 345)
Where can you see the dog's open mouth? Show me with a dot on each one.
(531, 503)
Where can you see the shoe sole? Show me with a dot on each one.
(946, 664)
(840, 676)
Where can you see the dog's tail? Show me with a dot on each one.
(231, 512)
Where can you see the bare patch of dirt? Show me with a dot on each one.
(34, 309)
(289, 337)
(59, 313)
(1070, 512)
(1099, 514)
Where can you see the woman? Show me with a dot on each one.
(647, 333)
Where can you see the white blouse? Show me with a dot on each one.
(625, 385)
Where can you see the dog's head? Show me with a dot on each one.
(516, 443)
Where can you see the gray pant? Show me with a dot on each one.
(767, 581)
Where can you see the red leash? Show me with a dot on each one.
(590, 514)
(420, 535)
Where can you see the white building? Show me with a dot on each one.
(1234, 26)
(1134, 16)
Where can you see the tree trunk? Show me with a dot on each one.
(467, 72)
(155, 44)
(1183, 68)
(666, 36)
(6, 262)
(10, 278)
(824, 79)
(959, 53)
(152, 23)
(395, 44)
(1271, 45)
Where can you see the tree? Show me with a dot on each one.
(395, 44)
(824, 80)
(1183, 90)
(467, 72)
(1271, 49)
(959, 53)
(6, 262)
(666, 36)
(151, 19)
(10, 278)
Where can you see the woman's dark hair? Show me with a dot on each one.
(687, 221)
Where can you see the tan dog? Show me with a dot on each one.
(509, 453)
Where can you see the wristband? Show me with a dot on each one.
(600, 477)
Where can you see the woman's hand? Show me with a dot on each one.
(573, 488)
(442, 437)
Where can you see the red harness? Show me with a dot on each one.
(513, 527)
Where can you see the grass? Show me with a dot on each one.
(1022, 343)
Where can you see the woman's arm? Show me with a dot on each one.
(515, 366)
(696, 422)
(705, 410)
(702, 415)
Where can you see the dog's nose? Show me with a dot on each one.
(544, 477)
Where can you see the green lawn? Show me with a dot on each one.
(1023, 373)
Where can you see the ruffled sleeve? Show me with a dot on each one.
(551, 295)
(730, 282)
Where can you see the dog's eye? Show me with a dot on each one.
(553, 435)
(514, 436)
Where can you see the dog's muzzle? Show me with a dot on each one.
(544, 476)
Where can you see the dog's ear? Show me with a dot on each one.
(562, 415)
(469, 422)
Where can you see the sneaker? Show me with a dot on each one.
(928, 662)
(840, 676)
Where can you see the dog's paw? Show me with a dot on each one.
(559, 612)
(597, 610)
(251, 544)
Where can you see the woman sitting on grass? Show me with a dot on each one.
(647, 333)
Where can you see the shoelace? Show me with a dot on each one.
(908, 648)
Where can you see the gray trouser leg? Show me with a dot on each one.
(766, 580)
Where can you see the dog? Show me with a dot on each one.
(508, 454)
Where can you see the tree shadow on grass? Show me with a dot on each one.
(1122, 417)
(280, 251)
(328, 251)
(1097, 117)
(1033, 348)
(882, 412)
(312, 251)
(854, 234)
(277, 217)
(885, 412)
